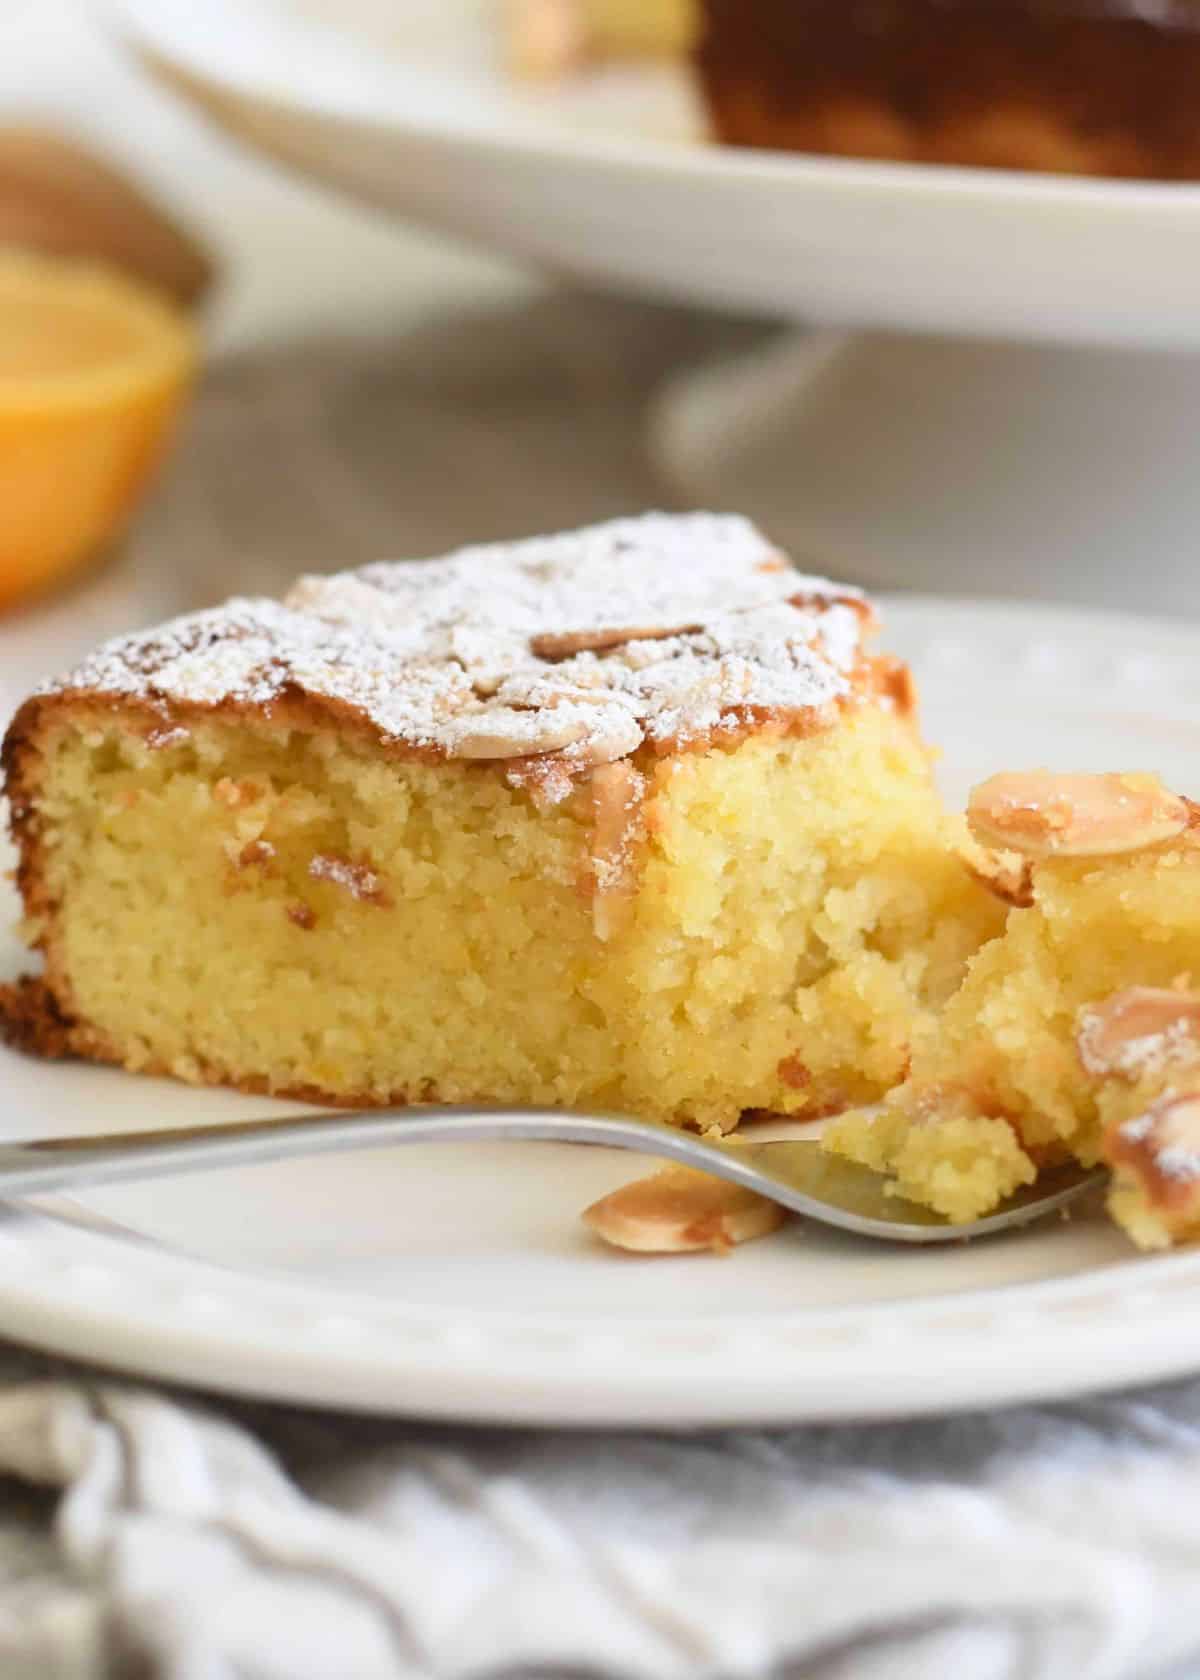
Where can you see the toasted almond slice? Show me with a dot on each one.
(1139, 1031)
(1010, 878)
(682, 1211)
(597, 736)
(1043, 813)
(1160, 1149)
(513, 732)
(820, 601)
(563, 644)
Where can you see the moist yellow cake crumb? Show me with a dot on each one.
(797, 903)
(628, 819)
(1008, 1083)
(960, 1165)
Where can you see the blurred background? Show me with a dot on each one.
(360, 388)
(989, 382)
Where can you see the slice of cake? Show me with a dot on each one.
(629, 818)
(1076, 1033)
(1093, 87)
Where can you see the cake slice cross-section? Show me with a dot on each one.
(628, 818)
(1077, 1033)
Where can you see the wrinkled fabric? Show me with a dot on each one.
(204, 1540)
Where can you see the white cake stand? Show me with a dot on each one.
(1009, 400)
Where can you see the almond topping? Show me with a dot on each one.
(808, 601)
(564, 644)
(1009, 878)
(1139, 1031)
(682, 1211)
(1043, 814)
(1161, 1150)
(599, 733)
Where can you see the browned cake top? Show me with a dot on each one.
(581, 646)
(1102, 87)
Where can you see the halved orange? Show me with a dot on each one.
(94, 367)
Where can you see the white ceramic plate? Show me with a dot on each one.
(458, 1284)
(607, 182)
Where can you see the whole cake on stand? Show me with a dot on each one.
(992, 409)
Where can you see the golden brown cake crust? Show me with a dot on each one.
(31, 1020)
(658, 633)
(1096, 87)
(33, 1023)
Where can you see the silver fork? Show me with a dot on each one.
(794, 1173)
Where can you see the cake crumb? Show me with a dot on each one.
(793, 1072)
(234, 794)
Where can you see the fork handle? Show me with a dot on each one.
(38, 1167)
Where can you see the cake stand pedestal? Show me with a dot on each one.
(1069, 473)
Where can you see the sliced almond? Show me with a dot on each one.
(1009, 877)
(1044, 814)
(509, 732)
(682, 1211)
(1139, 1031)
(597, 734)
(815, 601)
(566, 643)
(1160, 1149)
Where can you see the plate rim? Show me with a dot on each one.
(143, 1308)
(168, 1319)
(148, 28)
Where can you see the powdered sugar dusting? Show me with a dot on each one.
(358, 879)
(1138, 1058)
(1178, 1163)
(1138, 1129)
(438, 653)
(1163, 1144)
(1139, 1033)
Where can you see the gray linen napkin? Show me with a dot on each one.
(217, 1541)
(145, 1533)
